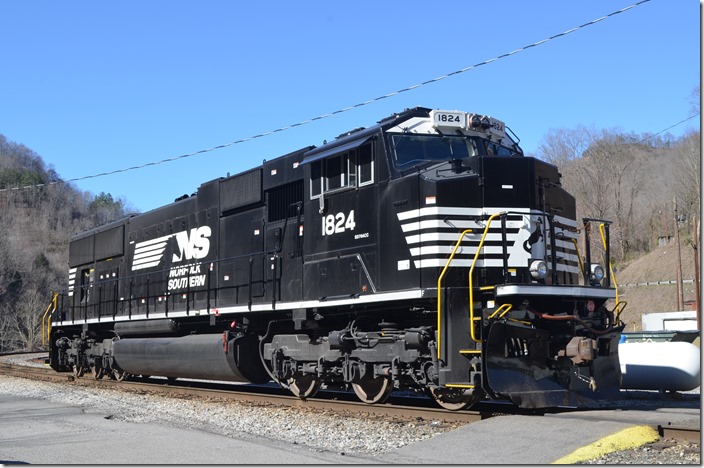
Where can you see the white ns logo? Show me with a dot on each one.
(194, 245)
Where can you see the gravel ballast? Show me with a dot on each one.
(316, 430)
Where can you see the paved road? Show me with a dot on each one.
(42, 432)
(523, 440)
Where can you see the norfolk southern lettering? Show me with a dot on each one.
(185, 277)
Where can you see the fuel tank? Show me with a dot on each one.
(209, 356)
(669, 365)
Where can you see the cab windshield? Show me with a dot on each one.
(413, 150)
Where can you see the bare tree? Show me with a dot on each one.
(620, 163)
(25, 328)
(606, 172)
(561, 146)
(695, 100)
(687, 170)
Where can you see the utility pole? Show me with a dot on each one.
(695, 246)
(680, 299)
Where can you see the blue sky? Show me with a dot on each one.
(99, 86)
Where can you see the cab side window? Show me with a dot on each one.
(348, 170)
(316, 185)
(335, 173)
(365, 164)
(493, 149)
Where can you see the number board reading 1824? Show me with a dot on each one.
(449, 119)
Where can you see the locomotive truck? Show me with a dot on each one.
(424, 253)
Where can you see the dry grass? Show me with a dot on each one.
(658, 265)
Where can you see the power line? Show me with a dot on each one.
(340, 111)
(623, 146)
(668, 128)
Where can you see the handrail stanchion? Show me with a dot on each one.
(442, 275)
(579, 258)
(588, 252)
(605, 241)
(46, 318)
(471, 271)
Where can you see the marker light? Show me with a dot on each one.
(538, 269)
(597, 272)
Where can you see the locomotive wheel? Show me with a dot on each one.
(453, 399)
(78, 371)
(373, 390)
(98, 372)
(303, 385)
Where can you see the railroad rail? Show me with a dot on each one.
(688, 433)
(260, 395)
(398, 407)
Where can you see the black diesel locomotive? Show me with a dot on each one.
(423, 253)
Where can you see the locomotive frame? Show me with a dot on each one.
(407, 223)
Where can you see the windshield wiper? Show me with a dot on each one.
(447, 140)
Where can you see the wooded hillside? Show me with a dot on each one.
(632, 180)
(35, 227)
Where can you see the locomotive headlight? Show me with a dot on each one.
(475, 121)
(538, 269)
(597, 272)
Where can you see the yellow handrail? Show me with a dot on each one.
(442, 275)
(471, 270)
(611, 270)
(579, 257)
(617, 315)
(456, 385)
(508, 308)
(46, 318)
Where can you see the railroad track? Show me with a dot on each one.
(398, 407)
(259, 395)
(690, 434)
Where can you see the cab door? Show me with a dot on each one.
(341, 224)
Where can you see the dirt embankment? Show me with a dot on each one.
(659, 265)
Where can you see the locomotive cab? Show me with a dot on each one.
(494, 229)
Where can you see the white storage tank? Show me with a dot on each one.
(682, 320)
(669, 365)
